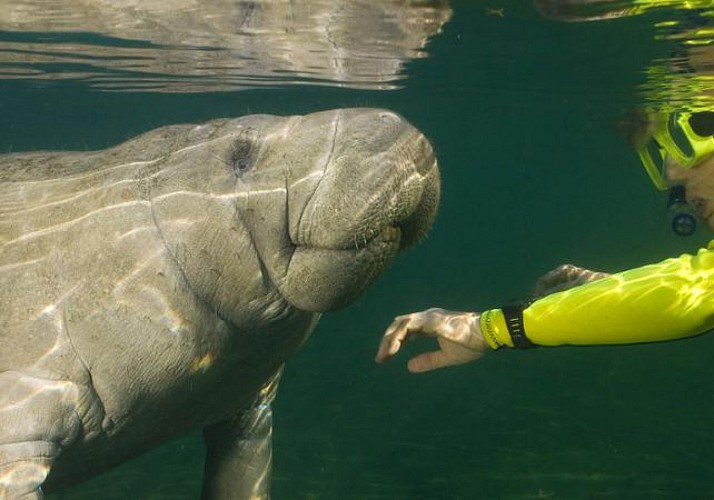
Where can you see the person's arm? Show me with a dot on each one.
(665, 301)
(669, 300)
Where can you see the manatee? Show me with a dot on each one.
(158, 287)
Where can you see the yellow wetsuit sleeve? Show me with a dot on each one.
(669, 300)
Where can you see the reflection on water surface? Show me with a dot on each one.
(684, 78)
(197, 46)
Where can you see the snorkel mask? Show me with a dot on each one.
(687, 139)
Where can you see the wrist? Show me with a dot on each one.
(477, 340)
(513, 315)
(492, 327)
(504, 328)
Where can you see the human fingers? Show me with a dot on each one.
(428, 361)
(564, 277)
(392, 340)
(459, 328)
(449, 355)
(404, 326)
(561, 278)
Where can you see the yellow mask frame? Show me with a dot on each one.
(673, 137)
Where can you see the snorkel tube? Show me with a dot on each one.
(682, 219)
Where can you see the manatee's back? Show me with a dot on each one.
(70, 223)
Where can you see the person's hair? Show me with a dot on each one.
(635, 127)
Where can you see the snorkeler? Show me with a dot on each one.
(669, 300)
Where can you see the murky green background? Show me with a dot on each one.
(521, 111)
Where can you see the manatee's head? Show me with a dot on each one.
(331, 198)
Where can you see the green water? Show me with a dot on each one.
(521, 113)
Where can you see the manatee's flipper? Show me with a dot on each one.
(38, 418)
(239, 451)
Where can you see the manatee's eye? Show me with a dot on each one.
(242, 155)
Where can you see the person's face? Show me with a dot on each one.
(699, 185)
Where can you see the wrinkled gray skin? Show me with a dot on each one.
(158, 287)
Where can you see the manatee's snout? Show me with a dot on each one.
(331, 198)
(380, 175)
(373, 192)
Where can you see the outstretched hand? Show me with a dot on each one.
(458, 334)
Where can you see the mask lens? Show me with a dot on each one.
(702, 123)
